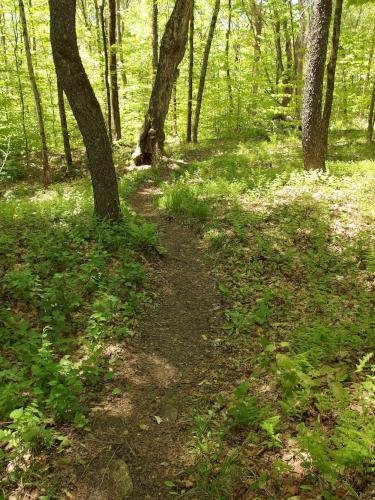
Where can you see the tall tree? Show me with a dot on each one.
(331, 71)
(113, 70)
(155, 35)
(191, 78)
(85, 106)
(312, 133)
(36, 93)
(204, 67)
(64, 128)
(227, 47)
(172, 49)
(370, 126)
(106, 69)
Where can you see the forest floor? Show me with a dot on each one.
(147, 429)
(214, 344)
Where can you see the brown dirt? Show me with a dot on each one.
(162, 368)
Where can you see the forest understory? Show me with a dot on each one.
(215, 344)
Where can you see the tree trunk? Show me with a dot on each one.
(300, 57)
(312, 134)
(204, 67)
(113, 70)
(331, 71)
(106, 71)
(64, 129)
(20, 88)
(191, 78)
(279, 53)
(155, 36)
(257, 26)
(172, 49)
(288, 73)
(227, 47)
(85, 106)
(370, 127)
(37, 98)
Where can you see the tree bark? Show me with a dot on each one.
(113, 70)
(312, 133)
(227, 47)
(20, 88)
(85, 106)
(370, 127)
(106, 71)
(288, 72)
(37, 98)
(191, 78)
(155, 36)
(204, 67)
(172, 48)
(64, 128)
(279, 53)
(331, 71)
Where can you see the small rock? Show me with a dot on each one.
(121, 478)
(168, 412)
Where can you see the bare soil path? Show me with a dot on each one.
(147, 430)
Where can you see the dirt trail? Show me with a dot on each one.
(162, 368)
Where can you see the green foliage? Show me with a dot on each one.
(68, 282)
(294, 256)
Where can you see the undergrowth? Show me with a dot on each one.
(293, 251)
(68, 283)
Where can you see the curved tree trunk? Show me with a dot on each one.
(64, 128)
(37, 98)
(172, 49)
(331, 71)
(312, 133)
(85, 106)
(370, 127)
(204, 67)
(113, 70)
(191, 78)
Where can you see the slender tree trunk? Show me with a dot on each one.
(204, 67)
(370, 127)
(106, 70)
(85, 106)
(331, 71)
(20, 88)
(300, 57)
(175, 111)
(191, 78)
(121, 50)
(37, 98)
(113, 71)
(257, 26)
(288, 73)
(279, 53)
(312, 133)
(155, 36)
(151, 141)
(227, 47)
(64, 129)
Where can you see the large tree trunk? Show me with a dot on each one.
(312, 133)
(155, 36)
(172, 48)
(331, 71)
(106, 70)
(191, 78)
(64, 128)
(204, 67)
(113, 70)
(370, 127)
(37, 98)
(85, 106)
